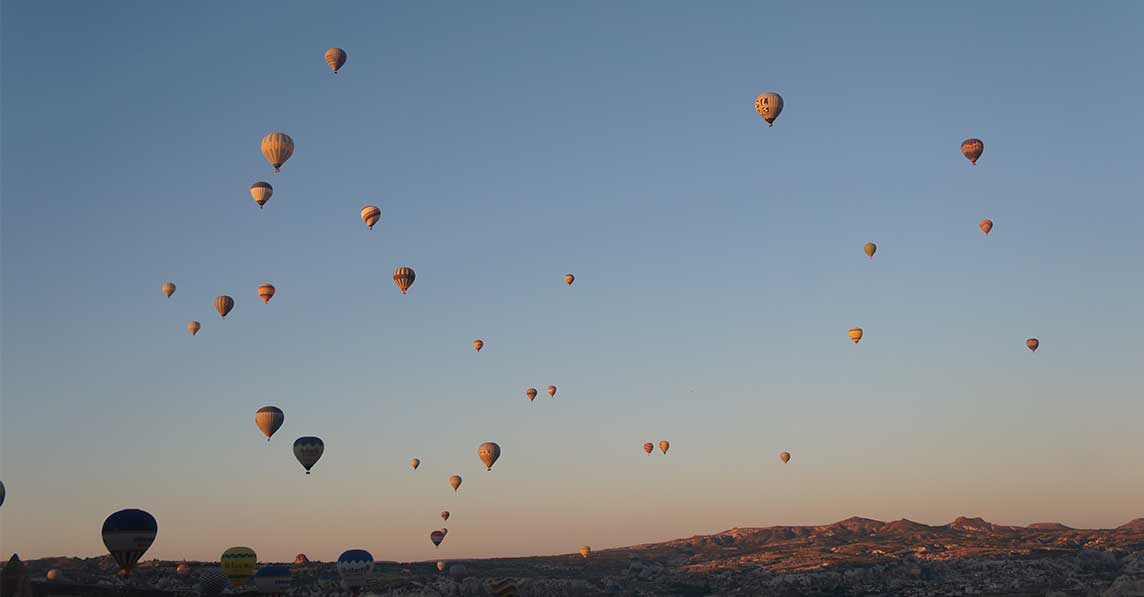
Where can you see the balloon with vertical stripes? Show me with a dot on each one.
(277, 147)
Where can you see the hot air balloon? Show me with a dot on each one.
(569, 279)
(128, 534)
(53, 575)
(552, 391)
(986, 226)
(584, 551)
(194, 327)
(212, 582)
(336, 58)
(266, 292)
(785, 457)
(649, 447)
(478, 344)
(301, 560)
(445, 515)
(272, 580)
(440, 566)
(488, 452)
(971, 149)
(455, 482)
(664, 445)
(223, 304)
(355, 567)
(414, 462)
(308, 450)
(269, 419)
(261, 193)
(855, 334)
(403, 277)
(277, 147)
(436, 537)
(870, 248)
(238, 564)
(1032, 343)
(769, 105)
(183, 569)
(531, 393)
(168, 289)
(370, 214)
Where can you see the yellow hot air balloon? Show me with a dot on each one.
(239, 564)
(455, 482)
(971, 149)
(664, 445)
(414, 462)
(584, 551)
(855, 334)
(277, 147)
(403, 277)
(261, 192)
(769, 105)
(569, 279)
(194, 326)
(266, 291)
(488, 452)
(531, 393)
(1032, 343)
(370, 214)
(168, 289)
(870, 248)
(223, 304)
(336, 58)
(552, 391)
(785, 457)
(478, 344)
(986, 226)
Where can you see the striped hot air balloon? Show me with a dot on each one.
(336, 58)
(370, 214)
(403, 277)
(648, 447)
(308, 450)
(261, 193)
(238, 564)
(769, 105)
(269, 419)
(266, 292)
(272, 580)
(986, 226)
(223, 304)
(355, 567)
(128, 534)
(855, 334)
(277, 147)
(971, 149)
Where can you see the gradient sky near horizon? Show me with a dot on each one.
(718, 268)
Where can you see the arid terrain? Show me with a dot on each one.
(856, 556)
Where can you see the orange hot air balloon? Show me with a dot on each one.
(986, 226)
(1032, 343)
(194, 326)
(785, 457)
(223, 304)
(403, 277)
(414, 462)
(552, 391)
(971, 149)
(649, 447)
(266, 291)
(478, 344)
(370, 214)
(664, 445)
(488, 452)
(569, 279)
(855, 334)
(261, 193)
(445, 515)
(277, 148)
(769, 105)
(531, 393)
(336, 58)
(869, 249)
(584, 551)
(455, 482)
(168, 289)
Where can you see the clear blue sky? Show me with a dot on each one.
(719, 265)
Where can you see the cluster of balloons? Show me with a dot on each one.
(649, 447)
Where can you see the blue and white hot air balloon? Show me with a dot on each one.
(128, 534)
(355, 567)
(272, 580)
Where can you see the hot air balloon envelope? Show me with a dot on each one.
(308, 450)
(355, 567)
(128, 534)
(488, 452)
